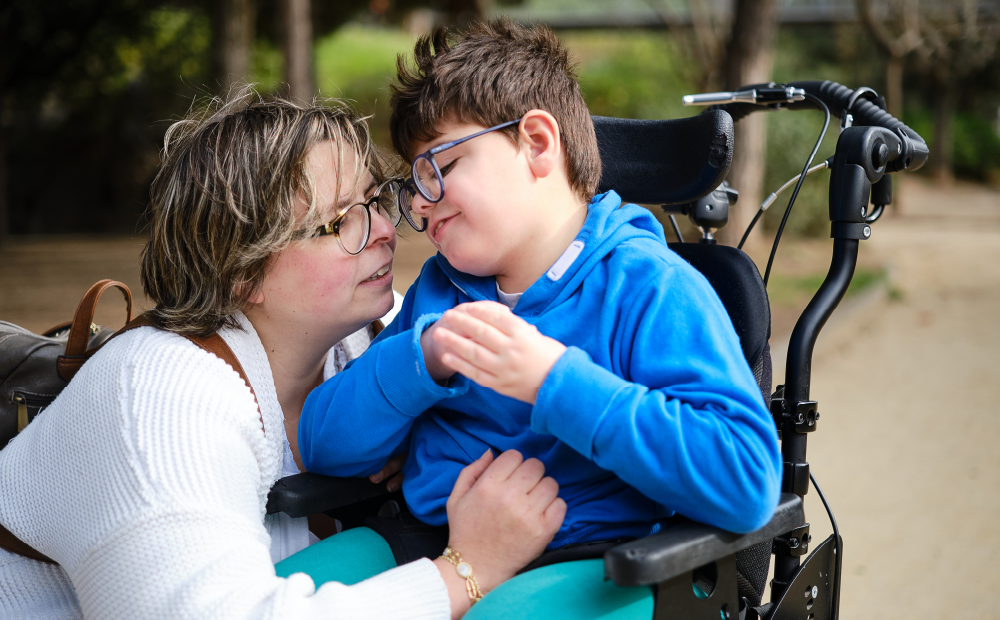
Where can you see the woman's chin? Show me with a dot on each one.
(384, 302)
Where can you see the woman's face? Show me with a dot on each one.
(314, 286)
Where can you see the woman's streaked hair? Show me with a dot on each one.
(223, 200)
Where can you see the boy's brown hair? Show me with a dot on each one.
(494, 73)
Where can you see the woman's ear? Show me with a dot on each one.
(540, 136)
(243, 291)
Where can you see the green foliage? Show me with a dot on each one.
(842, 54)
(786, 290)
(635, 74)
(357, 63)
(975, 143)
(976, 147)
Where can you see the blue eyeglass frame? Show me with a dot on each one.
(413, 187)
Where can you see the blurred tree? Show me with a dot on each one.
(233, 33)
(896, 30)
(749, 59)
(734, 46)
(39, 41)
(711, 26)
(297, 43)
(961, 38)
(83, 85)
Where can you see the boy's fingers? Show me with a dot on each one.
(471, 372)
(474, 328)
(501, 318)
(467, 349)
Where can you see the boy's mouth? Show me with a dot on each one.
(436, 230)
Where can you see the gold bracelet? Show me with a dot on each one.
(464, 570)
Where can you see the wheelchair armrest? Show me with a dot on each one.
(305, 494)
(688, 545)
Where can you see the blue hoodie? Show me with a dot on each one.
(651, 410)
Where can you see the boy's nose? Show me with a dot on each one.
(420, 204)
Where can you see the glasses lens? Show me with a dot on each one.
(387, 202)
(353, 229)
(417, 221)
(426, 179)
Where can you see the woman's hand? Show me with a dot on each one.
(392, 466)
(501, 515)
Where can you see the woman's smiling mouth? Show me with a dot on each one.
(380, 273)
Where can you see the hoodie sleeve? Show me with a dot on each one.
(360, 417)
(688, 427)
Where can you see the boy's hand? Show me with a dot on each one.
(490, 345)
(433, 348)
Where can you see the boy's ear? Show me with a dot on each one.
(540, 136)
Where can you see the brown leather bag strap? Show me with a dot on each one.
(13, 544)
(214, 344)
(79, 332)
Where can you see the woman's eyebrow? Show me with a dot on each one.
(343, 203)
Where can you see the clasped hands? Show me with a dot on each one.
(490, 345)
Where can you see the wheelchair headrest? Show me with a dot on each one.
(664, 162)
(737, 282)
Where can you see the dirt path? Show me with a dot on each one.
(908, 389)
(907, 447)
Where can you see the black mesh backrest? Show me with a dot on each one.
(664, 162)
(738, 284)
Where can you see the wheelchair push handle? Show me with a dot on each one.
(862, 106)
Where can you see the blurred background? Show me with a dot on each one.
(88, 87)
(907, 371)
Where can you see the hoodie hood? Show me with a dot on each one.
(609, 223)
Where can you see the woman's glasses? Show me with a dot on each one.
(353, 226)
(426, 178)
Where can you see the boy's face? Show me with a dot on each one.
(484, 222)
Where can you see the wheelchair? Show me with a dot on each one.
(697, 571)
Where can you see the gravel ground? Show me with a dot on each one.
(906, 447)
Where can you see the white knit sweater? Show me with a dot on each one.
(147, 481)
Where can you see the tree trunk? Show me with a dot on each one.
(298, 49)
(233, 44)
(749, 60)
(5, 112)
(894, 86)
(944, 109)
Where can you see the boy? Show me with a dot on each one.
(552, 321)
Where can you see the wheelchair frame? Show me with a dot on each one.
(642, 163)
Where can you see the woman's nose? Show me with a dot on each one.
(382, 229)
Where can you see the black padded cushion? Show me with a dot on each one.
(738, 284)
(664, 162)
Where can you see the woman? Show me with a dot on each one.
(147, 479)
